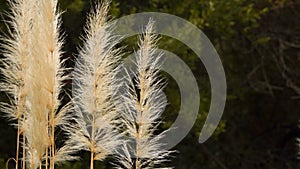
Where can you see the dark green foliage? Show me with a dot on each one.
(260, 122)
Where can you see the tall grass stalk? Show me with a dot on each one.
(143, 106)
(94, 78)
(50, 22)
(47, 77)
(17, 48)
(44, 76)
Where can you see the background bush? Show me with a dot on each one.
(260, 123)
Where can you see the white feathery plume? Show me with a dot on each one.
(46, 76)
(16, 49)
(51, 21)
(143, 106)
(94, 77)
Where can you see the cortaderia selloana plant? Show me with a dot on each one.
(33, 75)
(94, 77)
(16, 47)
(96, 120)
(142, 108)
(46, 76)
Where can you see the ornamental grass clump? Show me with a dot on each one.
(33, 75)
(97, 119)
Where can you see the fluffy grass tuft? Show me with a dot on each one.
(33, 74)
(96, 117)
(143, 106)
(17, 51)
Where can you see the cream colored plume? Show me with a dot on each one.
(143, 106)
(94, 77)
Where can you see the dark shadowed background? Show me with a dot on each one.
(259, 44)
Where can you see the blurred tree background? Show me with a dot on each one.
(259, 44)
